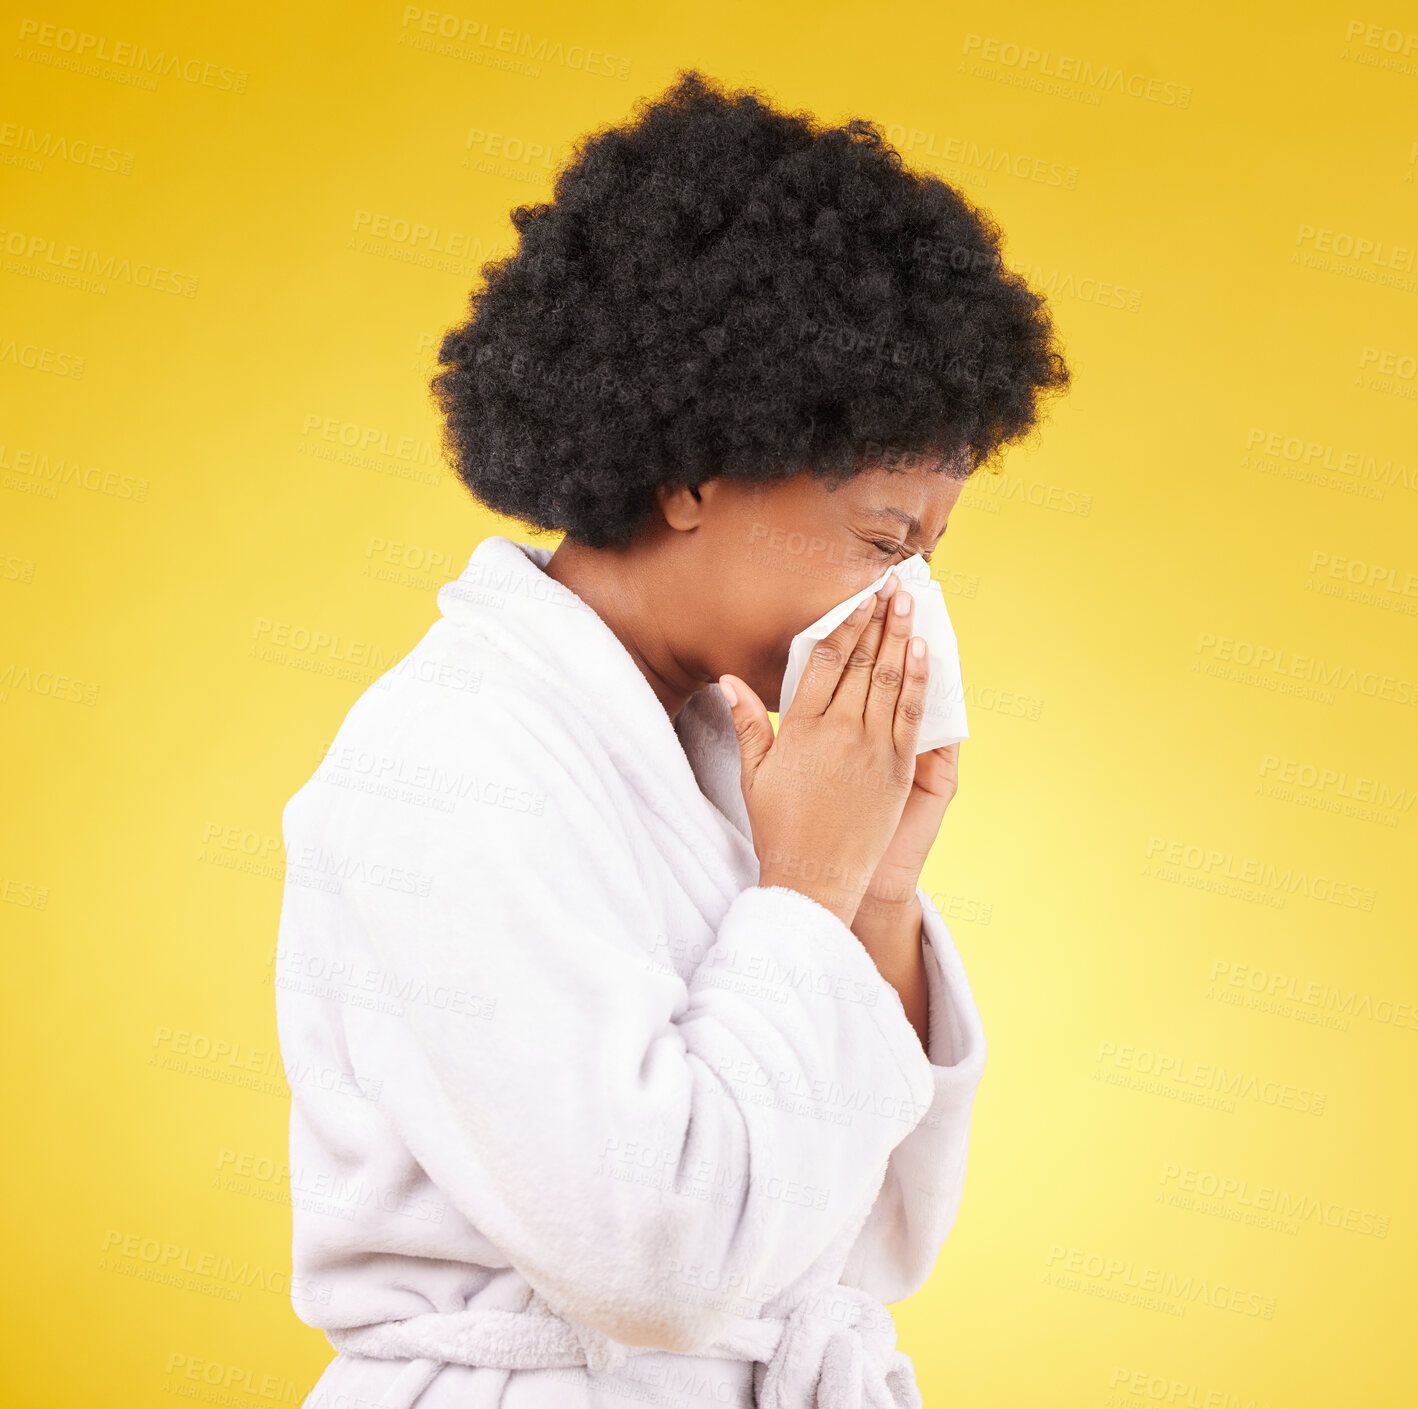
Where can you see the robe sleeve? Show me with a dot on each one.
(897, 1248)
(657, 1156)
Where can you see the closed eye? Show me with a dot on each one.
(898, 548)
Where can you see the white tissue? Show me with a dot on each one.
(943, 721)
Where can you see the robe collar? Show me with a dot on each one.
(687, 768)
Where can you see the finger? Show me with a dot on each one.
(752, 725)
(825, 664)
(850, 696)
(938, 770)
(911, 703)
(950, 762)
(888, 670)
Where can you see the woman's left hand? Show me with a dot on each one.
(889, 921)
(899, 871)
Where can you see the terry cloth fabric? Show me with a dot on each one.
(581, 1114)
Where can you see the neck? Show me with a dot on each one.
(625, 589)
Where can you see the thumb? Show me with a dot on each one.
(751, 723)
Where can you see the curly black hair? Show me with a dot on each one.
(721, 288)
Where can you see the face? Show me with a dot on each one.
(771, 559)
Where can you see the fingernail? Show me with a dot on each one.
(730, 693)
(902, 604)
(918, 647)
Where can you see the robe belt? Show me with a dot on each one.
(834, 1350)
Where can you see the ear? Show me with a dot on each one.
(681, 505)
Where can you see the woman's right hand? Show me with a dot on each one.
(824, 797)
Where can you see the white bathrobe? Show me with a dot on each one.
(581, 1114)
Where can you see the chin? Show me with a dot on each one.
(770, 691)
(766, 681)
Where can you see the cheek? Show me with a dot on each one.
(764, 643)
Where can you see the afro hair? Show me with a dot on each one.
(722, 289)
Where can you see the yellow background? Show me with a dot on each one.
(1232, 479)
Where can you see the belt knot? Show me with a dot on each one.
(838, 1351)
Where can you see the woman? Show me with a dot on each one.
(628, 1060)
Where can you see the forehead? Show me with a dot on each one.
(903, 501)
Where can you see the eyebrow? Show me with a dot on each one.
(909, 521)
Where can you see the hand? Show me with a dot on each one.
(888, 921)
(899, 872)
(825, 796)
